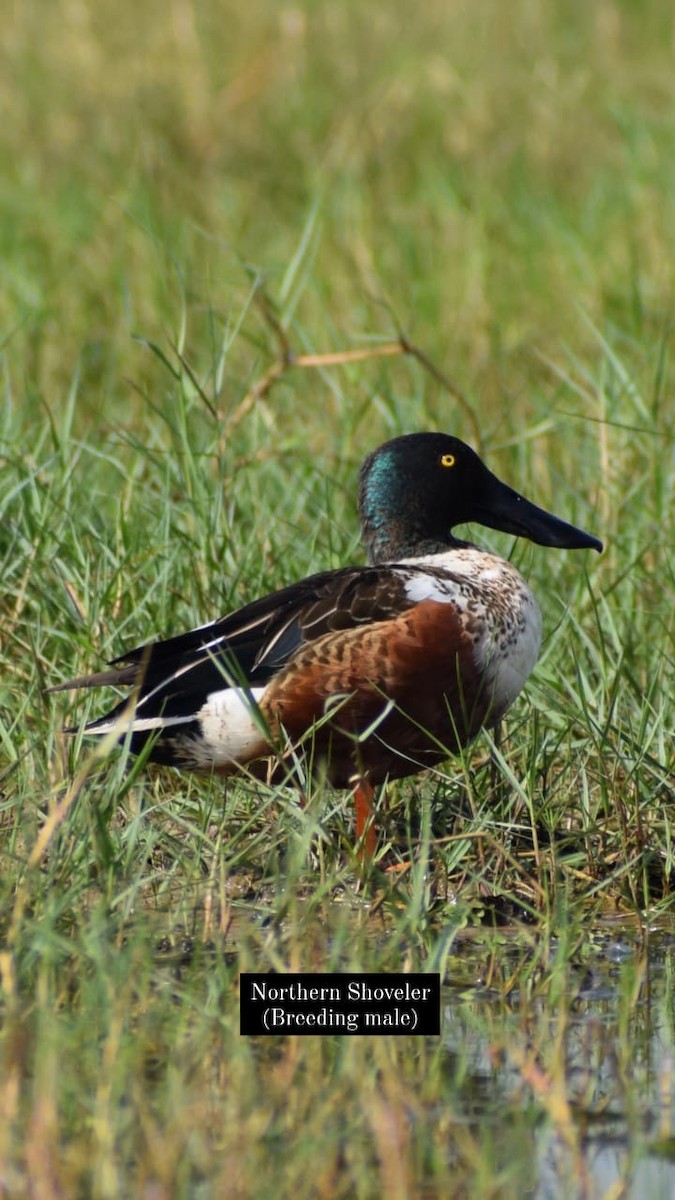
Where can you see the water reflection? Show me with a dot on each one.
(578, 1085)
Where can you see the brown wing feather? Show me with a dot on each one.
(260, 638)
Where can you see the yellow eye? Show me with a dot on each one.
(447, 460)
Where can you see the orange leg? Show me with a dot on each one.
(366, 833)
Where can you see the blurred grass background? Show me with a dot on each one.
(491, 171)
(498, 182)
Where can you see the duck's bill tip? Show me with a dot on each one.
(578, 540)
(561, 536)
(548, 530)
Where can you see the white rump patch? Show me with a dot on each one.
(232, 727)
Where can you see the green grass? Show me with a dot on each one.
(495, 183)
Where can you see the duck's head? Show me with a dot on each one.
(415, 489)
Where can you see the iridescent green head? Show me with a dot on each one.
(415, 489)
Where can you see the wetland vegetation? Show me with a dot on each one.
(240, 247)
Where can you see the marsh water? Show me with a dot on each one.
(574, 1090)
(554, 1074)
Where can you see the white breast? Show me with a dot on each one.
(514, 657)
(497, 609)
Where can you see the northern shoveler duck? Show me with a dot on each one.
(375, 672)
